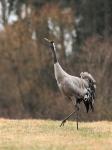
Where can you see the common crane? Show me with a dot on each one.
(77, 89)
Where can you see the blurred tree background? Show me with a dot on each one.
(82, 30)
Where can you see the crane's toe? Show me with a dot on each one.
(63, 122)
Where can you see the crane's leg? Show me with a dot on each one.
(63, 122)
(77, 109)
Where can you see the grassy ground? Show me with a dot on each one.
(47, 135)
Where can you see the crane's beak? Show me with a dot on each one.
(50, 43)
(47, 40)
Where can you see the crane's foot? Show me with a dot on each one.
(63, 122)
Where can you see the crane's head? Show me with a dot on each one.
(51, 43)
(53, 48)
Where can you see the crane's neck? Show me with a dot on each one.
(59, 72)
(53, 48)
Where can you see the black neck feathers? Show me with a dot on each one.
(53, 48)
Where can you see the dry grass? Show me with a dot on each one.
(47, 135)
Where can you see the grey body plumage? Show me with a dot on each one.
(70, 85)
